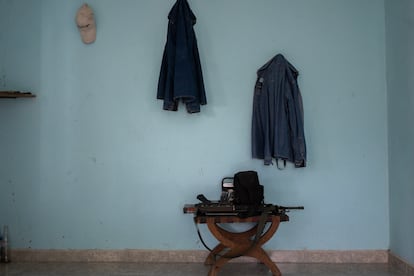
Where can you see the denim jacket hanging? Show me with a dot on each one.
(277, 124)
(181, 77)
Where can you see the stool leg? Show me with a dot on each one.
(211, 258)
(261, 255)
(218, 264)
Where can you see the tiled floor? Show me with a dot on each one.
(190, 269)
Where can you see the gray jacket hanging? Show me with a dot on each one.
(277, 124)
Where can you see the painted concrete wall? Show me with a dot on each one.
(400, 71)
(94, 161)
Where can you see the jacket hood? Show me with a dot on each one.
(181, 7)
(279, 59)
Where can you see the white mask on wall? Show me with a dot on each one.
(86, 24)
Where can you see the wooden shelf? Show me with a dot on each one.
(16, 94)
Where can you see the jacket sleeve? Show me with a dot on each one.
(261, 144)
(162, 80)
(296, 121)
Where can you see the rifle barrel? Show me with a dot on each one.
(291, 207)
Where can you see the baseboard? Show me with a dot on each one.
(330, 256)
(133, 255)
(400, 264)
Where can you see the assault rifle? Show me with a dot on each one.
(215, 208)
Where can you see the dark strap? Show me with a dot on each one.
(260, 227)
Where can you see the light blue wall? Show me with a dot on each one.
(94, 162)
(400, 71)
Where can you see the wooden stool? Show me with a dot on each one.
(239, 244)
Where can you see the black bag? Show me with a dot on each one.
(247, 189)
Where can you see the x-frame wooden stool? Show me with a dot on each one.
(237, 244)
